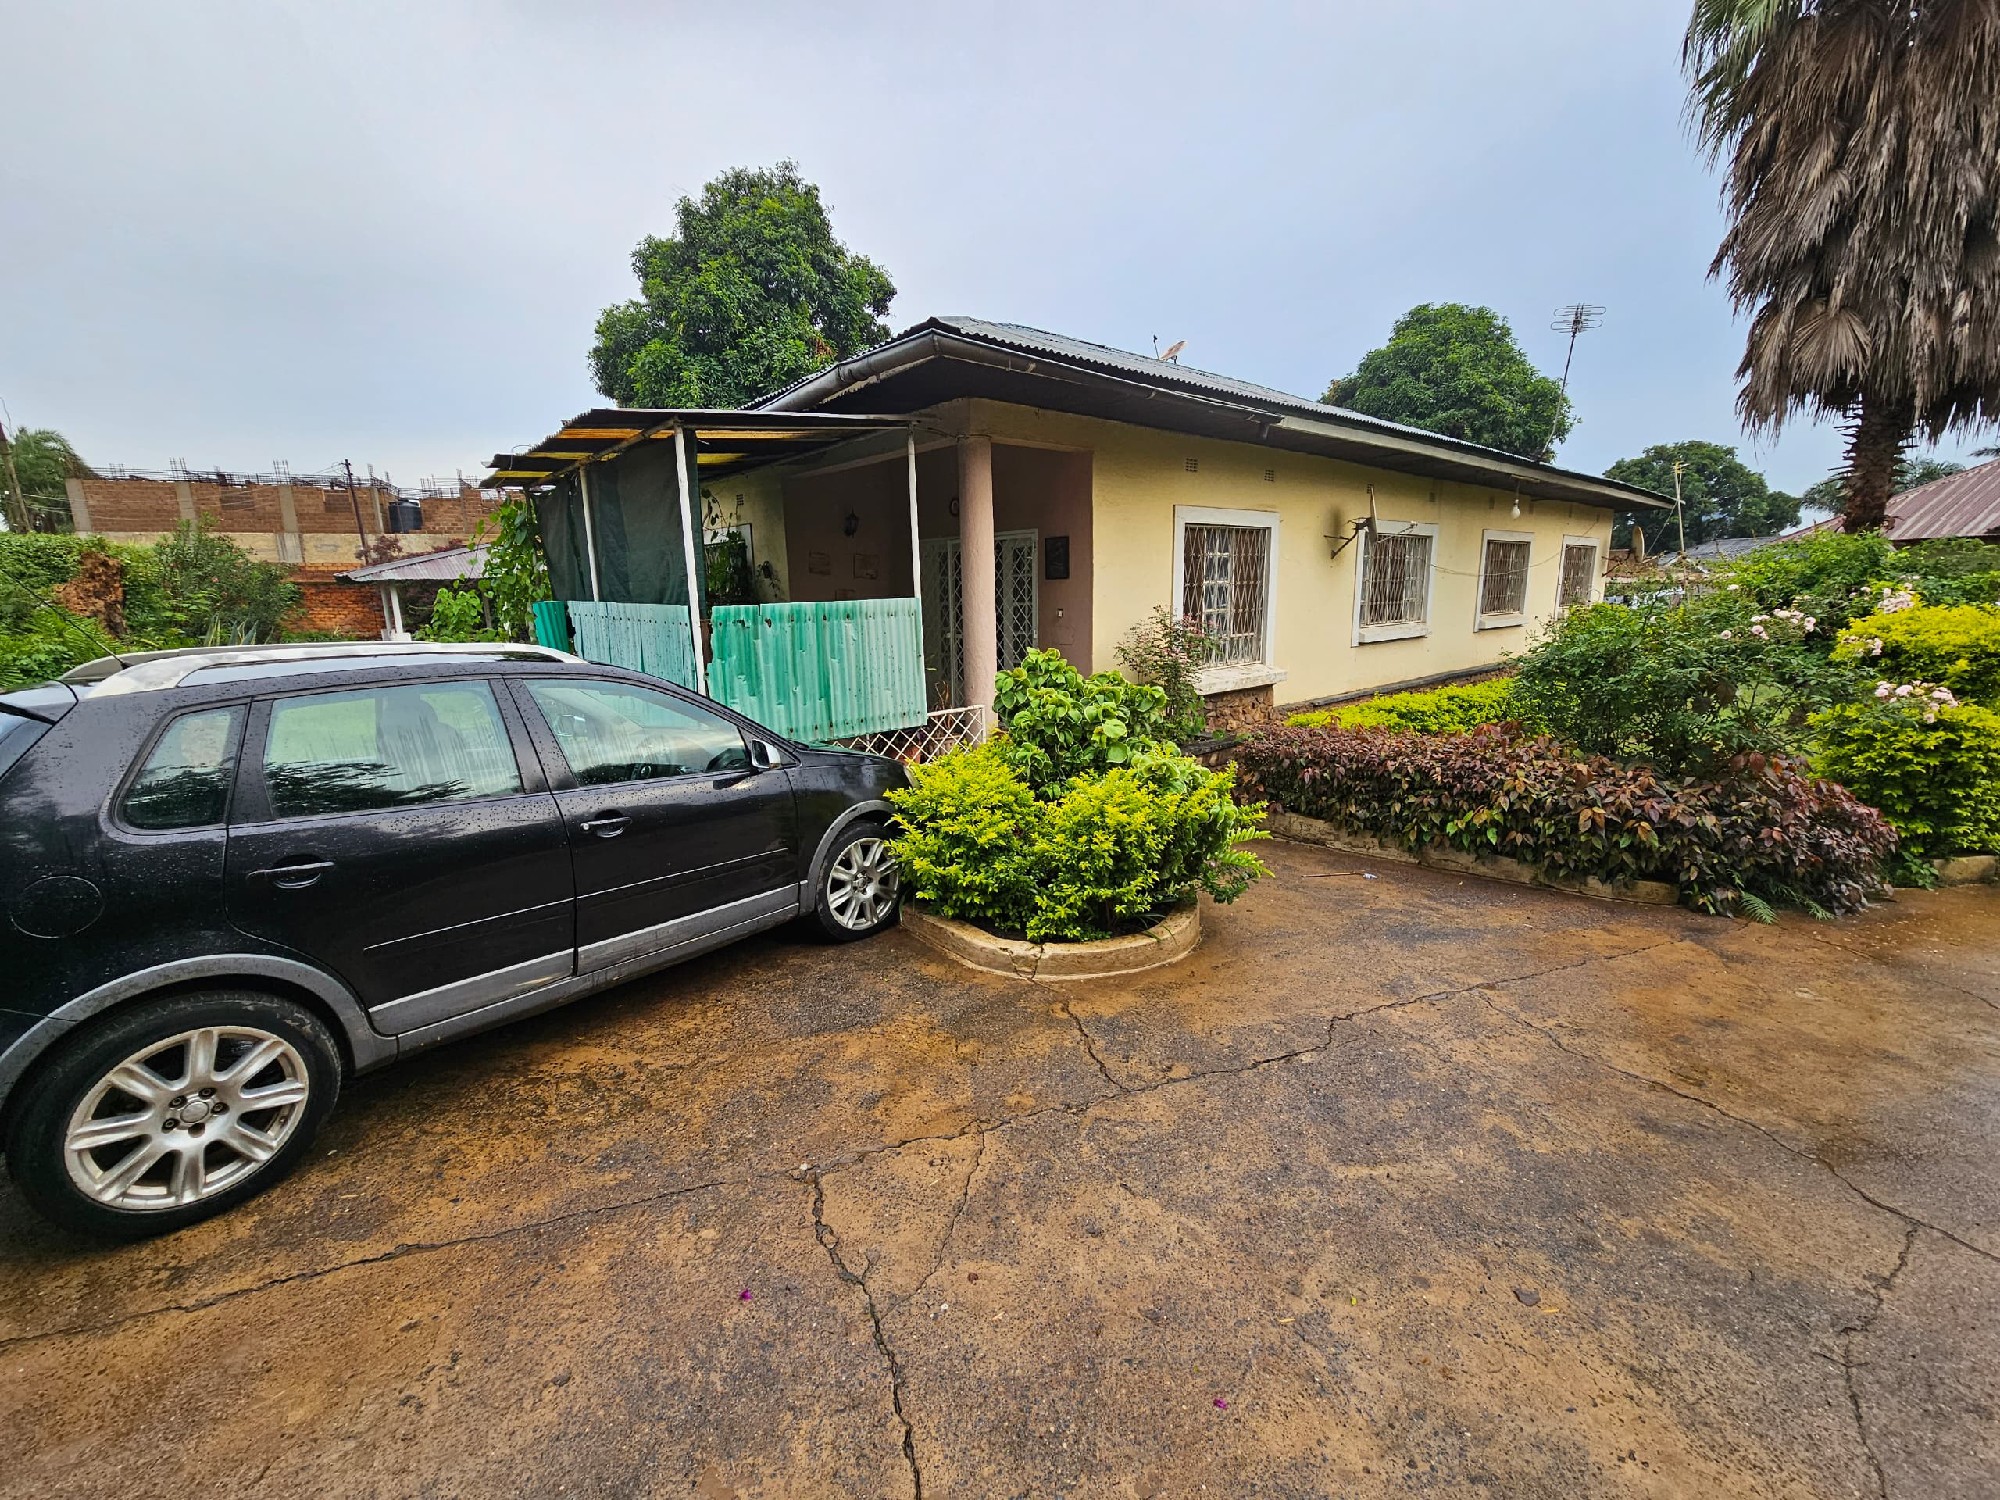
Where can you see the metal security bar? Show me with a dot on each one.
(1579, 575)
(1397, 586)
(1227, 588)
(1504, 590)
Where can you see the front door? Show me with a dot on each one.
(674, 835)
(388, 834)
(1016, 601)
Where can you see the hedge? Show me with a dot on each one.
(1764, 833)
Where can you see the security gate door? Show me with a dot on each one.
(1016, 597)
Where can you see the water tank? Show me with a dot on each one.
(404, 516)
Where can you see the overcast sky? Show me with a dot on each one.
(231, 234)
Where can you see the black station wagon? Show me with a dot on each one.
(230, 877)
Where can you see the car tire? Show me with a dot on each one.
(220, 1092)
(859, 891)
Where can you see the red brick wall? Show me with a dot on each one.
(349, 609)
(152, 505)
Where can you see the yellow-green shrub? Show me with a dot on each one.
(1453, 709)
(1953, 645)
(1931, 767)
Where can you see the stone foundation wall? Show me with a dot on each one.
(1239, 709)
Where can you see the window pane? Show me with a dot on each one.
(387, 747)
(1505, 590)
(612, 732)
(1396, 588)
(1226, 587)
(185, 781)
(1579, 574)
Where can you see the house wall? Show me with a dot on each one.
(1136, 476)
(755, 499)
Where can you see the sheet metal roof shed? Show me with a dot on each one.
(446, 565)
(726, 441)
(1965, 504)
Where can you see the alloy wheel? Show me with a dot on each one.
(861, 886)
(185, 1118)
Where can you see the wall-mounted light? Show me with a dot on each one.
(853, 522)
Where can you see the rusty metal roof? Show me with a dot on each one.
(1963, 504)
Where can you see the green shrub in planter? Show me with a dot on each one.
(1061, 724)
(1953, 645)
(1931, 765)
(1099, 854)
(1452, 709)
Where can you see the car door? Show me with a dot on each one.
(397, 836)
(675, 835)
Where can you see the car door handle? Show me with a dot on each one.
(295, 876)
(607, 827)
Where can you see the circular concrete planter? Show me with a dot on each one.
(1172, 938)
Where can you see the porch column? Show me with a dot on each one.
(976, 570)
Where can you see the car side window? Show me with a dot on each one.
(185, 780)
(613, 731)
(387, 747)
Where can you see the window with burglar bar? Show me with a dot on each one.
(1226, 582)
(1396, 579)
(1503, 585)
(1579, 574)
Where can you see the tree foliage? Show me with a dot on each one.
(750, 292)
(43, 459)
(1720, 496)
(1857, 138)
(1457, 370)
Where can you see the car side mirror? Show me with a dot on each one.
(765, 756)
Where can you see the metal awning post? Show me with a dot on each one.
(589, 531)
(687, 545)
(916, 544)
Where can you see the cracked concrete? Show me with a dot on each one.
(1414, 1184)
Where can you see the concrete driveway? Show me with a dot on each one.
(1406, 1184)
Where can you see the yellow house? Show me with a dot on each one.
(1324, 553)
(1327, 552)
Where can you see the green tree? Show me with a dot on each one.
(751, 292)
(1720, 496)
(1860, 178)
(43, 459)
(203, 587)
(1457, 370)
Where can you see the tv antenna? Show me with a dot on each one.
(1578, 317)
(1173, 354)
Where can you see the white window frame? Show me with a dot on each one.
(1507, 619)
(1596, 567)
(1402, 630)
(1237, 674)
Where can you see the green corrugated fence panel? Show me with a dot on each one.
(821, 671)
(551, 624)
(649, 638)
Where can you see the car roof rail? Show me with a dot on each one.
(142, 671)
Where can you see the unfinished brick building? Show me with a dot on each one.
(312, 524)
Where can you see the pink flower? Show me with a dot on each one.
(1757, 630)
(1728, 635)
(1903, 691)
(1881, 689)
(1220, 1404)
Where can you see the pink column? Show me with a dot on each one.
(975, 539)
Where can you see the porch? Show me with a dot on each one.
(828, 597)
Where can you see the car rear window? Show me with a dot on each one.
(387, 747)
(185, 779)
(16, 735)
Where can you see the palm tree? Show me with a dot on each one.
(1861, 140)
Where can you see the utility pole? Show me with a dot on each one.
(1680, 515)
(22, 521)
(359, 530)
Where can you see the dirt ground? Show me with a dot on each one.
(1399, 1184)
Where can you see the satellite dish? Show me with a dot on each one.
(1173, 354)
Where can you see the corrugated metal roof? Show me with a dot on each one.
(1166, 375)
(1966, 504)
(446, 565)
